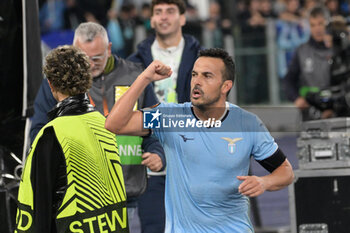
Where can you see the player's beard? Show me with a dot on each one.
(204, 102)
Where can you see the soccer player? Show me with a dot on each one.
(207, 183)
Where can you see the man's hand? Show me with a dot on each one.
(301, 103)
(157, 71)
(152, 161)
(251, 186)
(328, 113)
(256, 20)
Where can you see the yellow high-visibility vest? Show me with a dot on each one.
(95, 198)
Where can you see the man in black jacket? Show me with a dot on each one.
(310, 66)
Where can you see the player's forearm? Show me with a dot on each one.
(123, 109)
(280, 177)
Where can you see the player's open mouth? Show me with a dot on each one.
(196, 93)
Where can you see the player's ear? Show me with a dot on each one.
(226, 86)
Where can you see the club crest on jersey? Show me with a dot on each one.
(231, 147)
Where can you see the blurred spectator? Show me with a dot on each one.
(115, 33)
(56, 15)
(279, 6)
(145, 18)
(333, 7)
(169, 41)
(266, 9)
(127, 23)
(193, 24)
(51, 16)
(142, 25)
(292, 31)
(291, 12)
(310, 66)
(117, 4)
(216, 27)
(95, 11)
(253, 25)
(73, 15)
(202, 7)
(345, 8)
(137, 3)
(307, 7)
(241, 6)
(253, 89)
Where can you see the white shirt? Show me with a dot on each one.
(165, 89)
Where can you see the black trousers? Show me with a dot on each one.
(151, 206)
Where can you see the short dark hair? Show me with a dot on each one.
(230, 68)
(317, 11)
(68, 70)
(179, 3)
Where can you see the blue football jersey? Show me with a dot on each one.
(203, 164)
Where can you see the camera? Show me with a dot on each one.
(337, 96)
